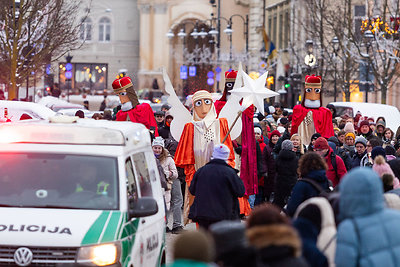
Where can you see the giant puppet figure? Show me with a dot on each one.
(310, 117)
(131, 109)
(198, 138)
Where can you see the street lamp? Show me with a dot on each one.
(368, 35)
(309, 59)
(229, 32)
(170, 34)
(335, 44)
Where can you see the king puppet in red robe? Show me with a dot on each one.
(310, 117)
(131, 110)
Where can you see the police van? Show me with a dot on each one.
(79, 193)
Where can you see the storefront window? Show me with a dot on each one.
(86, 77)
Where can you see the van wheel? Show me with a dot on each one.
(163, 258)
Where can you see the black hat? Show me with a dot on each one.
(312, 213)
(390, 150)
(334, 140)
(315, 136)
(166, 106)
(159, 112)
(284, 121)
(376, 151)
(228, 236)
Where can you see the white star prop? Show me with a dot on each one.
(254, 91)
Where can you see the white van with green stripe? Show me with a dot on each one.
(79, 193)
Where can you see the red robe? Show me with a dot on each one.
(142, 113)
(322, 118)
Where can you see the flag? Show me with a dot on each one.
(269, 46)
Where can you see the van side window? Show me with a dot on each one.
(142, 173)
(130, 180)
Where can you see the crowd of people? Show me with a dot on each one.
(314, 206)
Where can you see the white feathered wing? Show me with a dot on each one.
(178, 110)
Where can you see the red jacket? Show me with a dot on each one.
(335, 176)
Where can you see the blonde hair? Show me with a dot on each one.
(301, 143)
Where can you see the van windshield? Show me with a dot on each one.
(50, 180)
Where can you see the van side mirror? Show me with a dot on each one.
(142, 207)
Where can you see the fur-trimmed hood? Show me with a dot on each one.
(274, 235)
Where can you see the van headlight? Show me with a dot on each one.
(99, 255)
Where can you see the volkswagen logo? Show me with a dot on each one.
(23, 256)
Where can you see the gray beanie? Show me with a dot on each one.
(287, 145)
(362, 140)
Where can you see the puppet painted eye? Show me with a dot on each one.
(198, 103)
(229, 85)
(308, 90)
(122, 94)
(207, 101)
(318, 90)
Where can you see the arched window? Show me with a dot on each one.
(86, 30)
(104, 30)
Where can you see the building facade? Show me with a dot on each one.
(195, 53)
(110, 36)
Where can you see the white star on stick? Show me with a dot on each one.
(254, 91)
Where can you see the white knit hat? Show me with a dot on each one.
(257, 130)
(158, 141)
(221, 151)
(281, 129)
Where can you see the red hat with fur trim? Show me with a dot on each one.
(230, 76)
(313, 81)
(120, 85)
(275, 132)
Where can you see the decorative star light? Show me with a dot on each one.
(254, 91)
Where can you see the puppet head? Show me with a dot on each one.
(312, 92)
(202, 104)
(230, 78)
(124, 89)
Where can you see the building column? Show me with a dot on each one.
(255, 38)
(146, 45)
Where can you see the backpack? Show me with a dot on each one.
(329, 194)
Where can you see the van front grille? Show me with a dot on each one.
(42, 256)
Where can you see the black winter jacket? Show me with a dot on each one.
(286, 167)
(216, 187)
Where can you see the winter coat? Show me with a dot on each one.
(164, 131)
(216, 188)
(395, 165)
(286, 168)
(368, 136)
(326, 242)
(365, 235)
(309, 234)
(304, 190)
(335, 175)
(345, 156)
(350, 149)
(277, 245)
(366, 161)
(356, 159)
(170, 170)
(269, 163)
